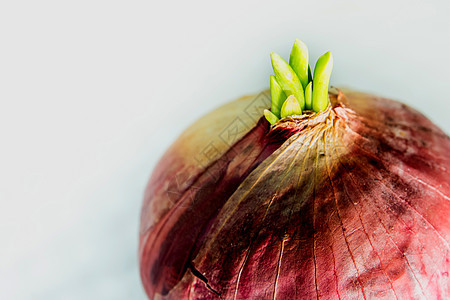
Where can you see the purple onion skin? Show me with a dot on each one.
(350, 203)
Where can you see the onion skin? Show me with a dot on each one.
(349, 203)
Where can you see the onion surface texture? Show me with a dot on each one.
(351, 201)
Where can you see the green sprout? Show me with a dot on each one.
(294, 88)
(287, 78)
(290, 107)
(322, 73)
(277, 95)
(270, 117)
(308, 96)
(299, 61)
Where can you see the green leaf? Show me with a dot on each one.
(287, 78)
(299, 61)
(270, 117)
(308, 96)
(291, 107)
(322, 73)
(277, 95)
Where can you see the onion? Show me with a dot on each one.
(350, 202)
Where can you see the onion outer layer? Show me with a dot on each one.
(351, 203)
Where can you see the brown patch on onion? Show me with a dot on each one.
(352, 202)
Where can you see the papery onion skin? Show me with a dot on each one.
(349, 203)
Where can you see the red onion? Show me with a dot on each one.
(352, 202)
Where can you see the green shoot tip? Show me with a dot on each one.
(270, 117)
(291, 107)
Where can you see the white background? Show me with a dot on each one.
(93, 92)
